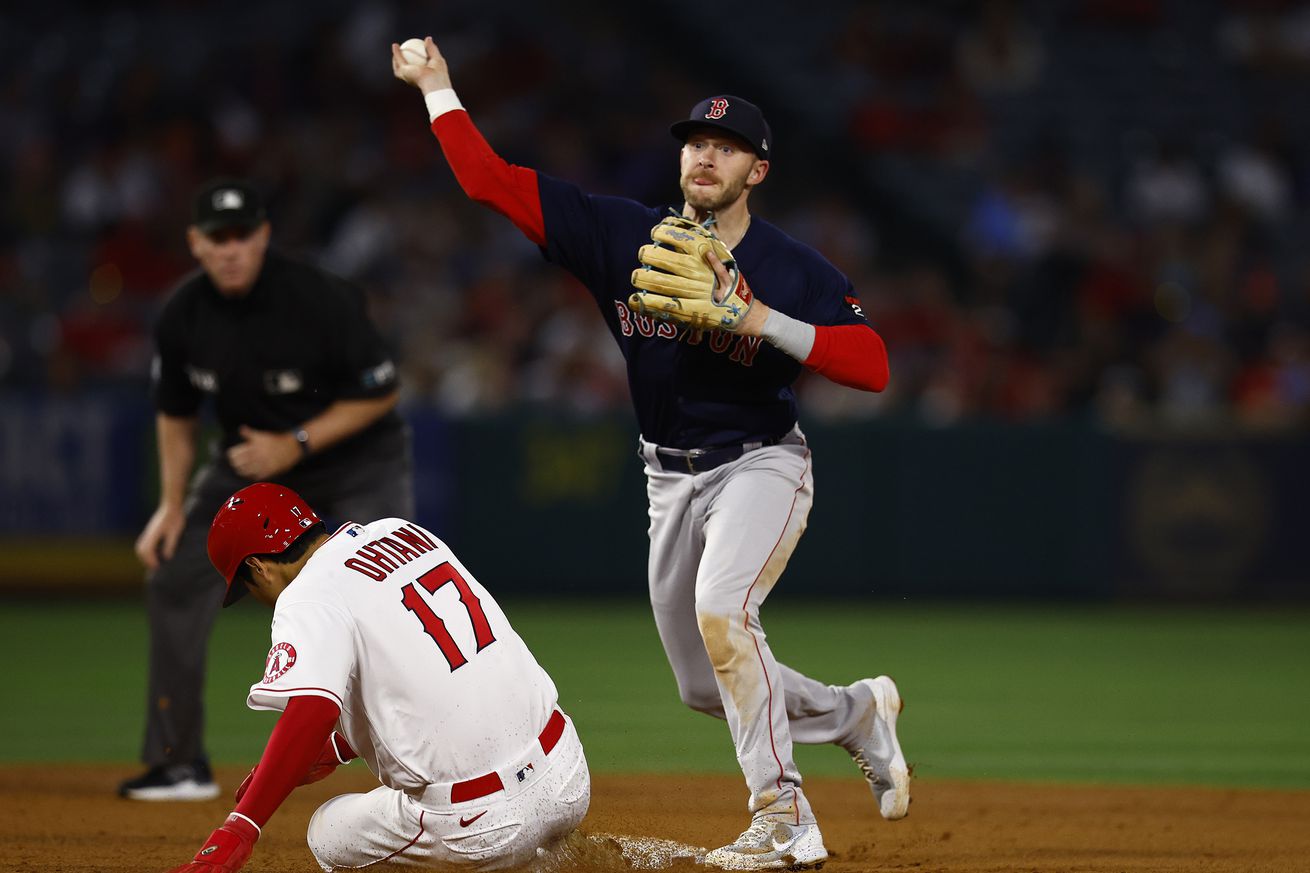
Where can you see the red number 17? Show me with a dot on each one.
(432, 581)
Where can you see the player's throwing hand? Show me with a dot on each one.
(432, 76)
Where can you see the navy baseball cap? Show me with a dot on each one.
(225, 203)
(739, 117)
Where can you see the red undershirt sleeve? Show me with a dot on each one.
(850, 354)
(297, 738)
(486, 178)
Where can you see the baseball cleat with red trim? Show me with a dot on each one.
(771, 844)
(877, 751)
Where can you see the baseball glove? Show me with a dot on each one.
(676, 283)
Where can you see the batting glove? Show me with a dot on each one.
(227, 848)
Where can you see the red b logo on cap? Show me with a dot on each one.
(718, 108)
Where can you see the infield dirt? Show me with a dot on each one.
(67, 818)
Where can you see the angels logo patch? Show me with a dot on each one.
(281, 658)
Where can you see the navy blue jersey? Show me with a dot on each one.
(694, 389)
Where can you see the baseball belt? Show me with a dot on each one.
(701, 460)
(490, 783)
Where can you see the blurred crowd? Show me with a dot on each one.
(1092, 208)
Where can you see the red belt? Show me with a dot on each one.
(472, 789)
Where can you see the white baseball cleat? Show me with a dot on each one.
(770, 844)
(877, 752)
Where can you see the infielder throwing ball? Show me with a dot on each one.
(381, 633)
(711, 359)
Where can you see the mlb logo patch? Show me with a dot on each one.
(202, 380)
(383, 374)
(283, 381)
(228, 198)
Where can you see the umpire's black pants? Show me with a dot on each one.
(184, 594)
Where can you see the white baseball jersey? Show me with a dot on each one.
(434, 685)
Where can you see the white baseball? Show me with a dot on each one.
(414, 51)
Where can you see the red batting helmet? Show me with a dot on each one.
(260, 519)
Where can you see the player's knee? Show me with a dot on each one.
(711, 616)
(724, 634)
(324, 835)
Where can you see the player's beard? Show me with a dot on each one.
(712, 199)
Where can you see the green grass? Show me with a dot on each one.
(1146, 696)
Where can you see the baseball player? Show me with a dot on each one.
(711, 359)
(380, 632)
(304, 390)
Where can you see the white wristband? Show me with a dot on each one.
(794, 337)
(258, 829)
(441, 102)
(336, 750)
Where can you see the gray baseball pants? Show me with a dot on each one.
(719, 541)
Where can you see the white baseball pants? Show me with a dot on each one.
(493, 832)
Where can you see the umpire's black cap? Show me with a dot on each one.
(225, 203)
(737, 116)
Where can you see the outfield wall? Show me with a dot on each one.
(901, 510)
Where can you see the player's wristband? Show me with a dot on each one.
(441, 102)
(794, 337)
(302, 439)
(259, 832)
(338, 743)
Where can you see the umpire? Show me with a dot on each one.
(304, 391)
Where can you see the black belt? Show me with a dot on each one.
(702, 460)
